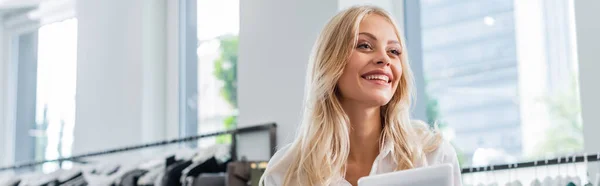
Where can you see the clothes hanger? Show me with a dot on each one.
(536, 181)
(569, 181)
(597, 182)
(576, 179)
(517, 182)
(509, 183)
(548, 181)
(568, 178)
(491, 182)
(471, 177)
(587, 172)
(481, 182)
(486, 177)
(495, 181)
(559, 179)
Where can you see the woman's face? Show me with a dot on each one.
(373, 71)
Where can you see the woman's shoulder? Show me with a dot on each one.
(277, 166)
(279, 155)
(444, 153)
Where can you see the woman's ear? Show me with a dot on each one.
(336, 91)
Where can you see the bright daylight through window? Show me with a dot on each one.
(501, 78)
(217, 66)
(56, 78)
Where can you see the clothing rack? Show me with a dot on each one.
(270, 127)
(537, 163)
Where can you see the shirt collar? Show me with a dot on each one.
(387, 147)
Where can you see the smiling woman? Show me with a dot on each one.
(356, 122)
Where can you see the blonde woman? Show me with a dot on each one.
(356, 121)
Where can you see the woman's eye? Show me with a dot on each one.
(363, 46)
(395, 52)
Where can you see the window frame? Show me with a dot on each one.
(188, 69)
(411, 20)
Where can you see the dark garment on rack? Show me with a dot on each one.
(78, 181)
(150, 177)
(130, 178)
(173, 173)
(238, 173)
(73, 178)
(109, 170)
(13, 182)
(51, 183)
(210, 179)
(194, 170)
(255, 175)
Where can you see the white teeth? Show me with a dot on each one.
(378, 77)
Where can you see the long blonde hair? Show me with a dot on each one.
(321, 147)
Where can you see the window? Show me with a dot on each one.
(56, 78)
(45, 108)
(501, 76)
(215, 78)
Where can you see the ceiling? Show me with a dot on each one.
(12, 4)
(15, 6)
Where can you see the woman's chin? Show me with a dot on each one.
(380, 101)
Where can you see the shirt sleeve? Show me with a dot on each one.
(269, 180)
(450, 157)
(274, 175)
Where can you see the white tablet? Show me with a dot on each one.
(436, 175)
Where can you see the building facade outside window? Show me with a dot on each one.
(501, 77)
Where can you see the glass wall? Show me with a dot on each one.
(501, 77)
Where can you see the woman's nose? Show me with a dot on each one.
(383, 62)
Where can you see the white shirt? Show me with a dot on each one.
(445, 153)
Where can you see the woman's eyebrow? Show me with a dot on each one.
(368, 35)
(371, 36)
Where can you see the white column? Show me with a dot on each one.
(8, 69)
(3, 88)
(588, 29)
(172, 74)
(275, 41)
(154, 57)
(121, 74)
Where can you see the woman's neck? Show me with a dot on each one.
(365, 132)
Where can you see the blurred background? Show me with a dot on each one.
(507, 81)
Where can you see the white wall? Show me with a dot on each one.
(121, 74)
(586, 20)
(395, 7)
(276, 37)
